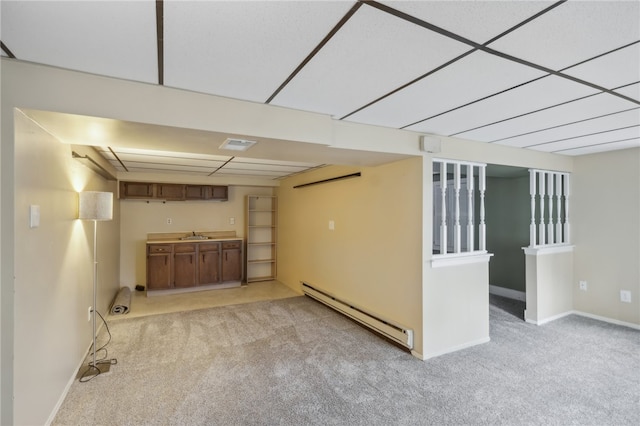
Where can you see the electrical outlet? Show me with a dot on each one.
(169, 221)
(89, 314)
(232, 221)
(583, 285)
(625, 296)
(332, 225)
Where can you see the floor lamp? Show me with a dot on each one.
(95, 206)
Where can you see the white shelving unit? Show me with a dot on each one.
(261, 233)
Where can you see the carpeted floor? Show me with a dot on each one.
(295, 362)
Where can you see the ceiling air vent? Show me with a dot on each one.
(237, 144)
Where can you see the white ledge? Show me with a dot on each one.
(454, 259)
(549, 249)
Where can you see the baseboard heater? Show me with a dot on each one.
(398, 334)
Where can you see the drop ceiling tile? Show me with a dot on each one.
(170, 154)
(113, 38)
(593, 126)
(462, 17)
(589, 107)
(632, 91)
(542, 93)
(606, 137)
(168, 167)
(167, 171)
(373, 54)
(573, 32)
(243, 50)
(272, 162)
(475, 76)
(593, 149)
(177, 161)
(244, 172)
(613, 70)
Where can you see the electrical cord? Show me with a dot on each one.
(92, 369)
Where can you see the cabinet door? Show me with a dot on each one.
(208, 264)
(136, 190)
(170, 191)
(220, 193)
(158, 271)
(231, 265)
(184, 270)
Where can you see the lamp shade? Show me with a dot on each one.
(94, 205)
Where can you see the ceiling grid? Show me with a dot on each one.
(556, 76)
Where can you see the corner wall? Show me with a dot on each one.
(54, 270)
(373, 257)
(605, 217)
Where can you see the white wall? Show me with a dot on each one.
(140, 218)
(605, 216)
(54, 270)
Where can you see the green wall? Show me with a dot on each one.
(508, 215)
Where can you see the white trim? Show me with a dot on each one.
(548, 249)
(587, 315)
(457, 348)
(455, 259)
(451, 160)
(548, 319)
(418, 355)
(509, 293)
(609, 320)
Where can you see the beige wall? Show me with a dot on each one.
(549, 278)
(54, 270)
(373, 256)
(140, 218)
(456, 308)
(605, 216)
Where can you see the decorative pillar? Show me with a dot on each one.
(543, 226)
(443, 222)
(532, 192)
(550, 188)
(470, 239)
(482, 233)
(456, 219)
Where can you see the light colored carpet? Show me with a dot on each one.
(295, 362)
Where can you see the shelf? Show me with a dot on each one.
(261, 226)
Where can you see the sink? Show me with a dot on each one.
(195, 237)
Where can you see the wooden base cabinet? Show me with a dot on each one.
(159, 258)
(189, 265)
(209, 261)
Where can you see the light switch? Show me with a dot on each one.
(332, 225)
(34, 216)
(232, 221)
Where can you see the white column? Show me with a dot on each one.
(543, 227)
(532, 192)
(567, 226)
(470, 239)
(550, 188)
(456, 219)
(558, 207)
(443, 221)
(482, 229)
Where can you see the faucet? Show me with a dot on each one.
(194, 233)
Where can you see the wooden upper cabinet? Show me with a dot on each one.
(170, 191)
(136, 190)
(220, 193)
(173, 191)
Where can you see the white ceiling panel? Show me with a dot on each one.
(242, 49)
(573, 32)
(153, 169)
(469, 79)
(633, 143)
(373, 54)
(550, 90)
(605, 137)
(625, 62)
(462, 17)
(632, 91)
(608, 122)
(113, 38)
(589, 107)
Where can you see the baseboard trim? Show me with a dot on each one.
(609, 320)
(548, 319)
(508, 293)
(73, 378)
(456, 348)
